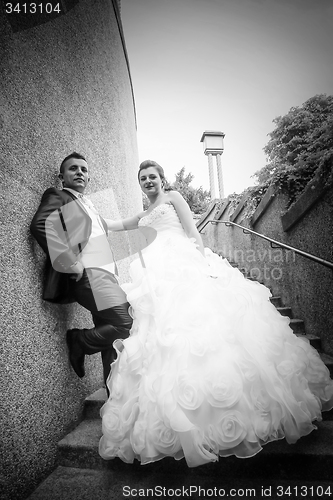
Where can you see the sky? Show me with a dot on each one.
(223, 65)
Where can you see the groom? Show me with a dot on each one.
(80, 265)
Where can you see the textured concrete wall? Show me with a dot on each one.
(303, 285)
(64, 86)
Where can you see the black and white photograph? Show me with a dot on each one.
(166, 249)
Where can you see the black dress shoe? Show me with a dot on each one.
(76, 353)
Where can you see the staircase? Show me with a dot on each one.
(297, 325)
(278, 471)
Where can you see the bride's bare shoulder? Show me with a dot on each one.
(173, 196)
(176, 199)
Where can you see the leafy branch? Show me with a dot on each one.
(300, 147)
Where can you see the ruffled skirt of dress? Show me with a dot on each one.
(211, 367)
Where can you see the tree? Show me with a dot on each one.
(197, 198)
(301, 143)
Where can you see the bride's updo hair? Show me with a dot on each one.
(151, 163)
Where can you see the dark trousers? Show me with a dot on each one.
(99, 292)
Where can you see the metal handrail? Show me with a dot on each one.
(272, 242)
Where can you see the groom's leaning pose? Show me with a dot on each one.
(80, 265)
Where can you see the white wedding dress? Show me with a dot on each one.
(211, 368)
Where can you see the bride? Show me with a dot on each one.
(211, 368)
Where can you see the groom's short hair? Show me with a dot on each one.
(76, 155)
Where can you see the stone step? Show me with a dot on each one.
(311, 457)
(297, 325)
(328, 360)
(94, 403)
(146, 482)
(276, 301)
(285, 311)
(313, 339)
(328, 415)
(253, 278)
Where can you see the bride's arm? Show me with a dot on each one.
(186, 218)
(124, 224)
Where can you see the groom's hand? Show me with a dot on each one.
(77, 271)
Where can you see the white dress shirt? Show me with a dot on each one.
(97, 252)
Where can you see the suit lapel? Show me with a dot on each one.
(75, 198)
(81, 205)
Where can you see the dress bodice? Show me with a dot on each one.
(163, 218)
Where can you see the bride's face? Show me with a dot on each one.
(150, 181)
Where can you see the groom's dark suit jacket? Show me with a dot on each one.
(62, 228)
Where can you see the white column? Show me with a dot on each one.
(211, 176)
(219, 175)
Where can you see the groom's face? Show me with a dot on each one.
(74, 174)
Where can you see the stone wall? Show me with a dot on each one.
(303, 284)
(65, 85)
